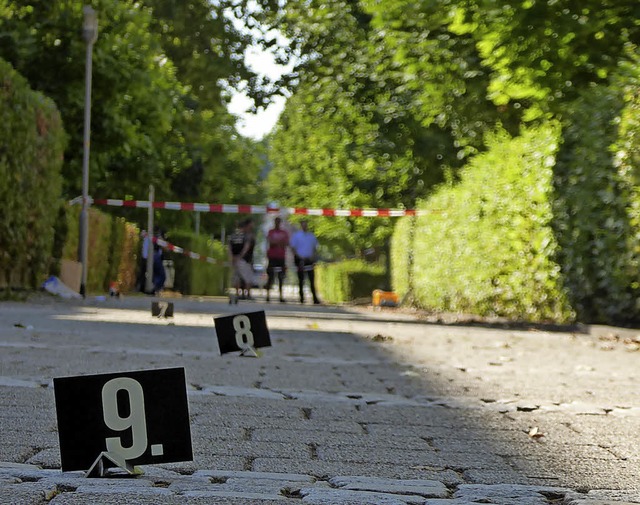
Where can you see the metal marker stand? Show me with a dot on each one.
(107, 460)
(249, 352)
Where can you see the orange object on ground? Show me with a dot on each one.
(385, 298)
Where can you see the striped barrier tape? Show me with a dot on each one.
(257, 209)
(179, 250)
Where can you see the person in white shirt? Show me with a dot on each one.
(305, 249)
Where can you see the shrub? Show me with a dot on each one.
(113, 248)
(402, 256)
(486, 246)
(349, 280)
(596, 205)
(198, 277)
(33, 142)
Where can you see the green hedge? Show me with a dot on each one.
(596, 214)
(198, 277)
(544, 226)
(486, 245)
(402, 256)
(114, 248)
(31, 150)
(349, 280)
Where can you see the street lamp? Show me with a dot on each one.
(90, 35)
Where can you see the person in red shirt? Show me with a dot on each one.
(278, 240)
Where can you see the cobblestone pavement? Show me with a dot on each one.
(349, 406)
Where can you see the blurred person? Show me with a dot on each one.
(305, 248)
(159, 275)
(278, 240)
(241, 244)
(250, 241)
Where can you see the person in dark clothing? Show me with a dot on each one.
(241, 246)
(159, 275)
(250, 244)
(305, 248)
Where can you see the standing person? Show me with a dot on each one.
(239, 246)
(250, 244)
(278, 240)
(159, 275)
(305, 248)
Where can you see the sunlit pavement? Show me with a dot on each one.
(348, 406)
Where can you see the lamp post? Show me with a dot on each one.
(90, 35)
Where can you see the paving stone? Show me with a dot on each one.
(47, 458)
(329, 469)
(603, 497)
(426, 488)
(506, 494)
(329, 438)
(589, 501)
(22, 494)
(447, 403)
(288, 477)
(344, 497)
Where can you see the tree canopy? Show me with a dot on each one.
(391, 97)
(161, 74)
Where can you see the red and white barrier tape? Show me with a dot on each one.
(179, 250)
(258, 209)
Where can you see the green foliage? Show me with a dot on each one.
(486, 245)
(33, 141)
(161, 73)
(113, 248)
(206, 47)
(548, 52)
(198, 277)
(348, 136)
(402, 250)
(596, 206)
(135, 97)
(349, 280)
(442, 69)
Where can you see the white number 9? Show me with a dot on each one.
(244, 337)
(136, 420)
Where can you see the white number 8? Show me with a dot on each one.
(136, 420)
(244, 337)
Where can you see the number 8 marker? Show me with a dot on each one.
(244, 337)
(136, 420)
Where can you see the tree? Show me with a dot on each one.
(549, 52)
(349, 136)
(162, 70)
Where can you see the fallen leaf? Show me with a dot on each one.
(535, 433)
(381, 338)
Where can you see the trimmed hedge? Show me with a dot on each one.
(31, 150)
(402, 256)
(114, 248)
(487, 246)
(349, 280)
(596, 206)
(544, 226)
(198, 277)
